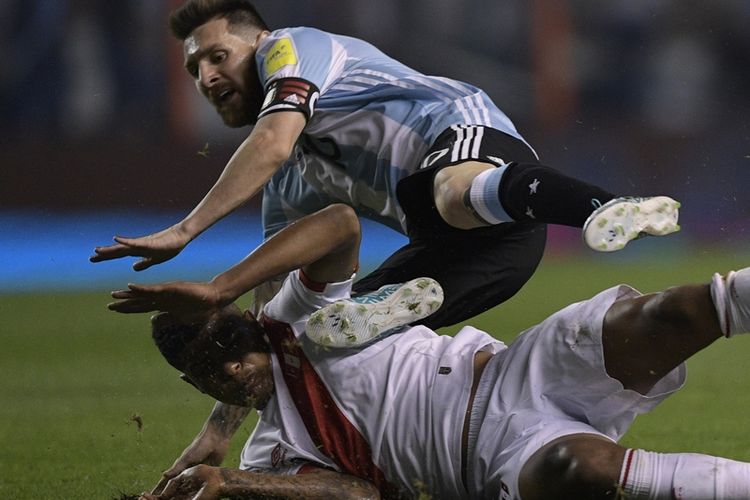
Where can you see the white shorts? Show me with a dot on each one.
(549, 383)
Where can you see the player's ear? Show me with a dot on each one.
(189, 381)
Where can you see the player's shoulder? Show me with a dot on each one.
(301, 36)
(296, 52)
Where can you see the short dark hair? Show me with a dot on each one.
(196, 347)
(193, 13)
(173, 339)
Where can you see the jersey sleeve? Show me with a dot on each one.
(299, 297)
(296, 66)
(288, 197)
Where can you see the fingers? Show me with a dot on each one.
(131, 242)
(125, 247)
(144, 263)
(136, 299)
(139, 291)
(111, 252)
(159, 488)
(173, 488)
(133, 306)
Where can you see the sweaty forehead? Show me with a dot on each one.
(210, 33)
(191, 46)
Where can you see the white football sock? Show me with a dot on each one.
(685, 476)
(484, 199)
(731, 297)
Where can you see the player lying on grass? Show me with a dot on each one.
(337, 121)
(416, 412)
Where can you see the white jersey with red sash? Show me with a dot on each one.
(391, 412)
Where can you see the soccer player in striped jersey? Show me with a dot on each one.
(416, 414)
(337, 121)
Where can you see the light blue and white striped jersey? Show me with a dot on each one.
(373, 122)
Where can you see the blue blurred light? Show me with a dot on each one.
(48, 252)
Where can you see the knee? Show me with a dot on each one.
(673, 307)
(571, 470)
(450, 186)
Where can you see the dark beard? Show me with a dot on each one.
(242, 117)
(255, 94)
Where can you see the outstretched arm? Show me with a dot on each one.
(256, 160)
(325, 245)
(211, 444)
(208, 483)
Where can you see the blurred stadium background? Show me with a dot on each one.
(102, 129)
(103, 133)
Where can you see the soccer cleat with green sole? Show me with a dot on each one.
(359, 320)
(611, 226)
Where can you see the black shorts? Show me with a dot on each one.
(455, 145)
(477, 268)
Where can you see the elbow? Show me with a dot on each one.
(267, 142)
(345, 220)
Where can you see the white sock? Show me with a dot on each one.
(484, 196)
(683, 476)
(731, 297)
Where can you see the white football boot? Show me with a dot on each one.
(611, 226)
(358, 320)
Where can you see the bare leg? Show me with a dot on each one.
(646, 337)
(586, 466)
(583, 466)
(643, 340)
(450, 187)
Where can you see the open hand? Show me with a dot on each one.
(207, 448)
(181, 298)
(154, 248)
(201, 482)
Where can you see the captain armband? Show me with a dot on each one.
(290, 94)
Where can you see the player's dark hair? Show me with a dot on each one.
(173, 339)
(193, 13)
(197, 347)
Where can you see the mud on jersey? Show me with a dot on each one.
(391, 413)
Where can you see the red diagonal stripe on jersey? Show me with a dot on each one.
(330, 430)
(295, 84)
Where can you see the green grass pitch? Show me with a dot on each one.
(89, 410)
